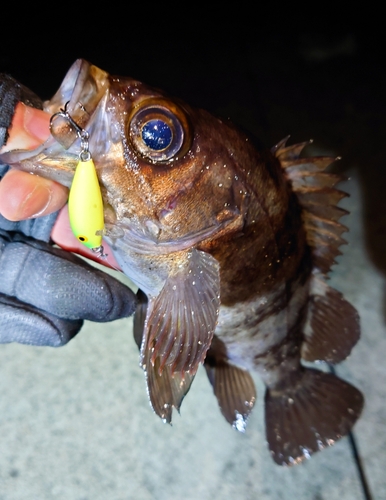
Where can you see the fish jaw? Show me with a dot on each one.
(82, 90)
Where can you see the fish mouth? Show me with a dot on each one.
(80, 93)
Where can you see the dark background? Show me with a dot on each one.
(317, 73)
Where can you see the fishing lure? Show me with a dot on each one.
(85, 204)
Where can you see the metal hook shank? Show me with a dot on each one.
(81, 133)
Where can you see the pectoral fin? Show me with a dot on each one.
(175, 329)
(166, 390)
(181, 320)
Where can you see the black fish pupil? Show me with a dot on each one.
(156, 134)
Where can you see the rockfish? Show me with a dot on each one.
(229, 246)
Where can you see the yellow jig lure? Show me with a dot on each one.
(85, 204)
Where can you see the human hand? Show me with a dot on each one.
(22, 195)
(26, 196)
(45, 293)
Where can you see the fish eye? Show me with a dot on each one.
(157, 134)
(159, 130)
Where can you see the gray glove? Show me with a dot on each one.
(45, 292)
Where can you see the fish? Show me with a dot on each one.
(230, 245)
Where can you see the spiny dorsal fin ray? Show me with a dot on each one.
(165, 391)
(319, 199)
(311, 414)
(277, 148)
(307, 179)
(324, 237)
(181, 320)
(332, 328)
(233, 387)
(324, 257)
(288, 152)
(314, 164)
(327, 212)
(324, 225)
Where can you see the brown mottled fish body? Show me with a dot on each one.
(229, 246)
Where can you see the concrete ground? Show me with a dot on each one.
(75, 423)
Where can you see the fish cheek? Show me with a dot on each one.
(201, 206)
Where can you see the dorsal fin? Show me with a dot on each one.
(284, 152)
(318, 197)
(332, 327)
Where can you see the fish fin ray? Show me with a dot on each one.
(277, 148)
(320, 409)
(234, 389)
(297, 167)
(318, 197)
(186, 309)
(166, 390)
(332, 327)
(139, 317)
(290, 152)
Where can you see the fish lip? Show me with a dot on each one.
(82, 88)
(80, 92)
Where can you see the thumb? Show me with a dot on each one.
(30, 127)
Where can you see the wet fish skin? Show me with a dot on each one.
(229, 246)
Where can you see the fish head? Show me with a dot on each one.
(166, 170)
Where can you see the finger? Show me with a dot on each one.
(63, 236)
(25, 196)
(30, 127)
(57, 282)
(24, 324)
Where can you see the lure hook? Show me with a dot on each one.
(83, 135)
(85, 204)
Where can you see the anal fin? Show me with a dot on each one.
(332, 327)
(233, 387)
(314, 414)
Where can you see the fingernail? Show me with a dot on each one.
(35, 203)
